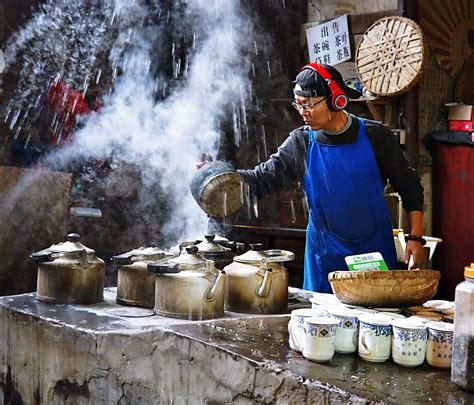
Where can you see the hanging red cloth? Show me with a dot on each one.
(67, 103)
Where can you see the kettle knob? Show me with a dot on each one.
(210, 238)
(73, 237)
(258, 247)
(192, 249)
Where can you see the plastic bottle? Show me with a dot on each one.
(462, 371)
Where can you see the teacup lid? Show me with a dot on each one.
(324, 298)
(418, 319)
(406, 324)
(322, 320)
(441, 326)
(364, 310)
(343, 311)
(308, 312)
(375, 319)
(393, 315)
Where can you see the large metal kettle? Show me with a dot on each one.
(135, 284)
(188, 287)
(218, 189)
(211, 250)
(257, 281)
(69, 273)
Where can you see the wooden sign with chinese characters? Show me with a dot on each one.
(328, 43)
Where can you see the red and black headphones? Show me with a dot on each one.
(337, 100)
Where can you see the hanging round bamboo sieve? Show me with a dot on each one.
(396, 288)
(391, 56)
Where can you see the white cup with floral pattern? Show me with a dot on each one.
(296, 326)
(408, 343)
(439, 349)
(319, 338)
(375, 336)
(347, 333)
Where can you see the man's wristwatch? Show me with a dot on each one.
(415, 238)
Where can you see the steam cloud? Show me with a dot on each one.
(148, 119)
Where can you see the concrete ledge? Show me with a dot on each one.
(53, 354)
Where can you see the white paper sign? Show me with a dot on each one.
(328, 43)
(2, 61)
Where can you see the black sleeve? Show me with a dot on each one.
(283, 168)
(394, 166)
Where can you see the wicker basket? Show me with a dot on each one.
(391, 56)
(397, 288)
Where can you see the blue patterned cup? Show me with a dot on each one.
(296, 326)
(439, 350)
(375, 335)
(319, 338)
(347, 333)
(408, 343)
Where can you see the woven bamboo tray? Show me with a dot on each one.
(391, 56)
(396, 288)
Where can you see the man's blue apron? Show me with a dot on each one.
(348, 213)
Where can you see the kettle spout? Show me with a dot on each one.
(264, 290)
(217, 288)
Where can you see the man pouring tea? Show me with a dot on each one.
(343, 162)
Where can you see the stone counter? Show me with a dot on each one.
(110, 354)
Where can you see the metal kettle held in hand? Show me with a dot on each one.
(218, 189)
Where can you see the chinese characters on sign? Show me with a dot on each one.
(328, 43)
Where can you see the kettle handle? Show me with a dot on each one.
(123, 259)
(162, 268)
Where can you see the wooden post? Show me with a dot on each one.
(410, 100)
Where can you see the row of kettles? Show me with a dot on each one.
(198, 281)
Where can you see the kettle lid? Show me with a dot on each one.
(71, 245)
(257, 254)
(210, 245)
(151, 252)
(189, 257)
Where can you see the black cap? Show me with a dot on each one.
(309, 83)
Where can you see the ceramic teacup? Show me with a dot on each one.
(319, 338)
(347, 333)
(408, 343)
(439, 350)
(375, 334)
(296, 326)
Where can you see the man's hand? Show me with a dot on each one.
(200, 164)
(205, 158)
(417, 251)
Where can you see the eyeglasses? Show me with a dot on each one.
(306, 107)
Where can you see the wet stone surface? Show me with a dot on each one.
(265, 340)
(239, 358)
